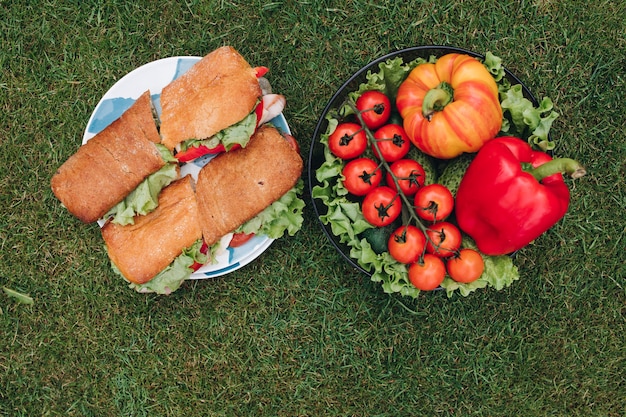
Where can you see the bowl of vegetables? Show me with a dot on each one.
(389, 160)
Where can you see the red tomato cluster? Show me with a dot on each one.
(387, 181)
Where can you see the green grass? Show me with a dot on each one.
(298, 332)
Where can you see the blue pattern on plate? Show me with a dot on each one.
(108, 111)
(182, 66)
(222, 271)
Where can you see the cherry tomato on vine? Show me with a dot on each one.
(361, 175)
(381, 206)
(406, 244)
(375, 108)
(444, 239)
(433, 202)
(410, 175)
(347, 141)
(392, 142)
(465, 267)
(427, 273)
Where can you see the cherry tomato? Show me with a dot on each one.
(444, 239)
(361, 175)
(392, 142)
(466, 267)
(433, 202)
(375, 108)
(427, 273)
(406, 244)
(347, 141)
(381, 206)
(239, 239)
(410, 175)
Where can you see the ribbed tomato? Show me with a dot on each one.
(450, 107)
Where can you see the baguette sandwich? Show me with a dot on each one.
(161, 249)
(215, 106)
(119, 171)
(252, 190)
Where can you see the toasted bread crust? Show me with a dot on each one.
(111, 164)
(142, 250)
(218, 91)
(236, 186)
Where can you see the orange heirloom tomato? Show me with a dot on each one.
(450, 107)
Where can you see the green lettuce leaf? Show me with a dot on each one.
(171, 278)
(500, 272)
(282, 216)
(239, 133)
(145, 198)
(526, 121)
(494, 66)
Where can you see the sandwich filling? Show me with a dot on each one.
(226, 139)
(171, 278)
(145, 198)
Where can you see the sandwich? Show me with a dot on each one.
(215, 106)
(119, 172)
(161, 249)
(236, 192)
(252, 190)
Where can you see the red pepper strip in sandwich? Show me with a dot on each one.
(511, 194)
(194, 152)
(203, 249)
(261, 71)
(239, 239)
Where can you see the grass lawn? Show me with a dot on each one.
(298, 332)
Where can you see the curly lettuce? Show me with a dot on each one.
(239, 134)
(282, 216)
(171, 278)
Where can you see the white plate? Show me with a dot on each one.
(154, 76)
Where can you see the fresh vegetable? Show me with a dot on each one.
(428, 273)
(361, 175)
(235, 135)
(392, 141)
(239, 239)
(451, 106)
(381, 206)
(378, 237)
(347, 141)
(145, 198)
(511, 194)
(282, 216)
(466, 266)
(369, 244)
(408, 173)
(433, 203)
(428, 163)
(375, 108)
(407, 244)
(454, 170)
(444, 239)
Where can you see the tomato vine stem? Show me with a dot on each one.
(373, 142)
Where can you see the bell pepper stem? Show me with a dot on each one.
(436, 99)
(559, 165)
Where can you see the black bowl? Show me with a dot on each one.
(316, 154)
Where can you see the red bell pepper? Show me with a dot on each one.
(511, 194)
